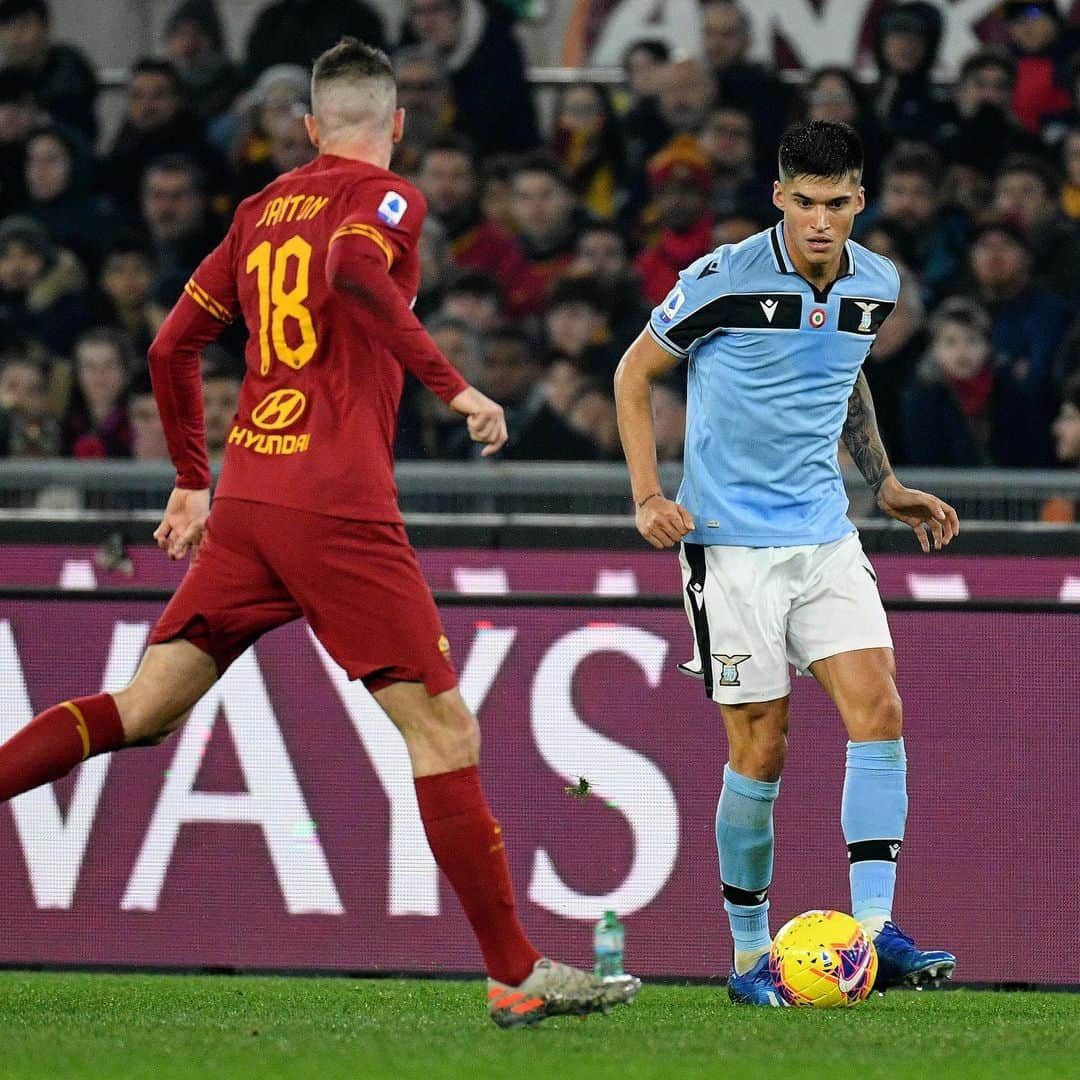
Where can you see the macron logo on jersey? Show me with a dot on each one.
(392, 208)
(768, 308)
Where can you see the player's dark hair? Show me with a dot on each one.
(917, 161)
(1030, 165)
(823, 148)
(350, 58)
(16, 9)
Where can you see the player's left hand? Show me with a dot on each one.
(483, 417)
(183, 523)
(927, 515)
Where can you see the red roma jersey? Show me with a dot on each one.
(315, 425)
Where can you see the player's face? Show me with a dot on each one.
(1067, 433)
(818, 216)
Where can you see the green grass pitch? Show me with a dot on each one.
(59, 1025)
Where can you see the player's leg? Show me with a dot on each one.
(170, 679)
(736, 615)
(839, 633)
(757, 750)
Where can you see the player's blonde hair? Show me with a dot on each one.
(353, 89)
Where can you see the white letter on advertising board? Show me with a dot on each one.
(623, 777)
(273, 799)
(54, 844)
(413, 888)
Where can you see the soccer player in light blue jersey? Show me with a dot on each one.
(774, 332)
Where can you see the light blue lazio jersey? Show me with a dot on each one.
(772, 361)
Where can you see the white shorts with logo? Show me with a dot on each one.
(754, 611)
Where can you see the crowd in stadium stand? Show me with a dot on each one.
(546, 245)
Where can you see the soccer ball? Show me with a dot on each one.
(823, 959)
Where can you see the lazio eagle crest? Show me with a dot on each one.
(729, 668)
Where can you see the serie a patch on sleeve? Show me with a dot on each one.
(392, 208)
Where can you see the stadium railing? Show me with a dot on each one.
(66, 487)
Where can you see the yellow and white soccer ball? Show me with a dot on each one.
(823, 959)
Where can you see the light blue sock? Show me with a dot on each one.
(744, 843)
(873, 813)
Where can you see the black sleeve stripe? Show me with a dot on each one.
(739, 311)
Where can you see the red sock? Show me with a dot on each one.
(467, 844)
(55, 741)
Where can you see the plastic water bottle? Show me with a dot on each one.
(609, 936)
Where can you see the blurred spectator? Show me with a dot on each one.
(592, 414)
(900, 341)
(511, 372)
(546, 214)
(1029, 190)
(1029, 320)
(290, 148)
(26, 428)
(42, 288)
(1070, 191)
(436, 267)
(18, 114)
(911, 195)
(195, 43)
(669, 417)
(906, 45)
(244, 135)
(1043, 44)
(147, 433)
(60, 195)
(124, 289)
(728, 140)
(686, 95)
(587, 143)
(493, 104)
(221, 380)
(739, 225)
(1066, 432)
(1067, 425)
(473, 297)
(981, 131)
(61, 77)
(447, 178)
(176, 217)
(296, 31)
(679, 179)
(96, 422)
(423, 90)
(644, 131)
(430, 428)
(496, 190)
(832, 93)
(577, 325)
(726, 38)
(157, 122)
(602, 254)
(563, 380)
(960, 410)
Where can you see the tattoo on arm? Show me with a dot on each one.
(861, 436)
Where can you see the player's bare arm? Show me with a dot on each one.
(659, 519)
(926, 514)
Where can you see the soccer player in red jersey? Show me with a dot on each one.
(323, 266)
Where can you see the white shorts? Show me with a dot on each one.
(754, 611)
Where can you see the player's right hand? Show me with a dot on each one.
(184, 522)
(483, 417)
(663, 522)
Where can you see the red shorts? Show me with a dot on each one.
(358, 584)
